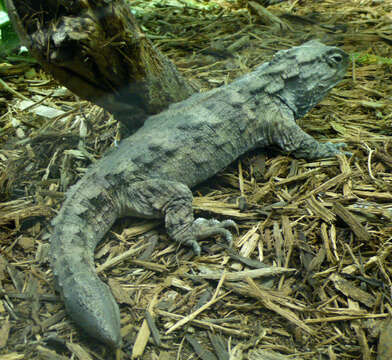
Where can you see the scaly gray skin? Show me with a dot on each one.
(150, 174)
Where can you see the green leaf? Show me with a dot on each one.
(363, 58)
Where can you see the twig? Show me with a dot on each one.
(193, 315)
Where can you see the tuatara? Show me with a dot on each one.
(151, 172)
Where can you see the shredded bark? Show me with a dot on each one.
(330, 220)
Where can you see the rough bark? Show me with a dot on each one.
(96, 49)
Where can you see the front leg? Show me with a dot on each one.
(172, 201)
(291, 138)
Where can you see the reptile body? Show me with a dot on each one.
(151, 172)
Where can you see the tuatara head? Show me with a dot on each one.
(315, 69)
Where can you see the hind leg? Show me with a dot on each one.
(172, 201)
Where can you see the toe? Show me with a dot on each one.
(231, 224)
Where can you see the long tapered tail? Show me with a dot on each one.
(78, 228)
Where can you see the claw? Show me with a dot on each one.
(231, 224)
(336, 148)
(195, 246)
(338, 145)
(203, 228)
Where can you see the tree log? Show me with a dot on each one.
(96, 49)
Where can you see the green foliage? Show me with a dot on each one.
(363, 58)
(9, 41)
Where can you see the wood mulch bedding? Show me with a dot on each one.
(325, 226)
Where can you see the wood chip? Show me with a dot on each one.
(349, 289)
(286, 313)
(259, 354)
(79, 351)
(4, 332)
(385, 341)
(200, 350)
(241, 275)
(352, 222)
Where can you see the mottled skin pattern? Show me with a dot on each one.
(150, 174)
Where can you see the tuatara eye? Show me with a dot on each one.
(338, 58)
(335, 59)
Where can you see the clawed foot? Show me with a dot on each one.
(203, 228)
(335, 149)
